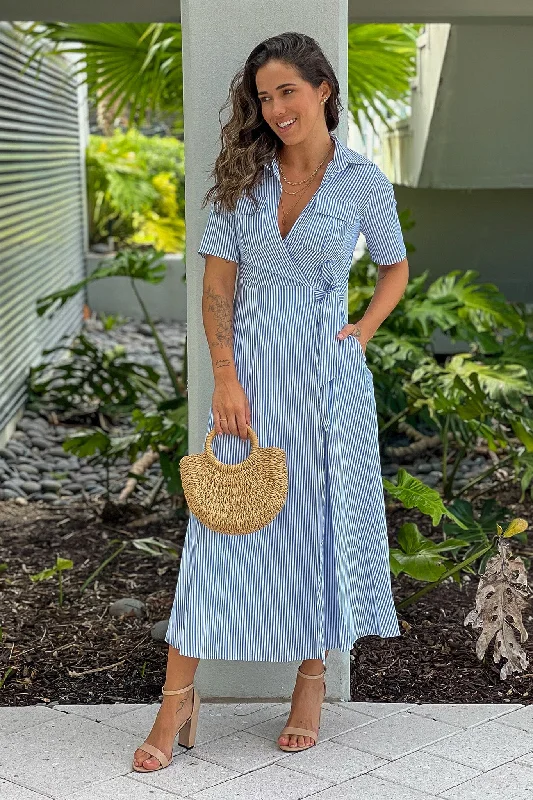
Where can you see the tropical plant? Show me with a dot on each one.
(136, 190)
(422, 558)
(139, 66)
(134, 265)
(470, 399)
(58, 568)
(480, 397)
(5, 676)
(479, 525)
(133, 67)
(110, 321)
(161, 434)
(9, 670)
(161, 428)
(417, 556)
(90, 384)
(381, 63)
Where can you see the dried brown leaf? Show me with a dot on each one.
(500, 599)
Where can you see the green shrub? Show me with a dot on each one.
(136, 190)
(482, 396)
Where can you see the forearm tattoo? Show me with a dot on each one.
(222, 311)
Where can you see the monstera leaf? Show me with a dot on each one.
(413, 493)
(419, 557)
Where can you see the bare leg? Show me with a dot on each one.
(173, 709)
(306, 703)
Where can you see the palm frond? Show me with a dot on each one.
(127, 64)
(381, 63)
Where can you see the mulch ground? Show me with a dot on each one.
(79, 653)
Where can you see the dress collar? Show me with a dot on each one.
(342, 156)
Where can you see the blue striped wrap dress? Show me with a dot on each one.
(317, 577)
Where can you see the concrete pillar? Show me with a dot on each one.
(216, 41)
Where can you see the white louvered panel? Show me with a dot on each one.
(41, 214)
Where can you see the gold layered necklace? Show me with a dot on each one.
(305, 182)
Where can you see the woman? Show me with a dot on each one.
(292, 202)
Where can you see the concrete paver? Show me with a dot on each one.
(335, 720)
(215, 720)
(98, 713)
(12, 791)
(424, 771)
(521, 717)
(240, 751)
(331, 761)
(266, 783)
(13, 720)
(512, 781)
(395, 751)
(124, 788)
(376, 710)
(370, 787)
(485, 746)
(397, 735)
(186, 775)
(64, 753)
(466, 715)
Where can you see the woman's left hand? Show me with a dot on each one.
(350, 330)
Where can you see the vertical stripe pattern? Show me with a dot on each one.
(317, 577)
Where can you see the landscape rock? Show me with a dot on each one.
(31, 486)
(42, 444)
(51, 486)
(158, 631)
(128, 606)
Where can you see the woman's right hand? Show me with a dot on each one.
(230, 401)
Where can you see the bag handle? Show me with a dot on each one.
(254, 445)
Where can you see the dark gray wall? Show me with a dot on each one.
(486, 230)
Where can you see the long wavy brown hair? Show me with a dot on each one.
(248, 143)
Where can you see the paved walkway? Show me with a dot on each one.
(371, 751)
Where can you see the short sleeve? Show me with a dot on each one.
(220, 237)
(380, 224)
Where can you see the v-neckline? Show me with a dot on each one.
(283, 239)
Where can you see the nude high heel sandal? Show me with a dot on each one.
(187, 732)
(303, 731)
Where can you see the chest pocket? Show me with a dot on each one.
(333, 228)
(251, 227)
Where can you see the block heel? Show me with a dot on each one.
(187, 732)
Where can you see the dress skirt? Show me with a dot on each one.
(317, 577)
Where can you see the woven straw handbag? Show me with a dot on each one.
(235, 498)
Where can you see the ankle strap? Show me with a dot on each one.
(177, 691)
(311, 676)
